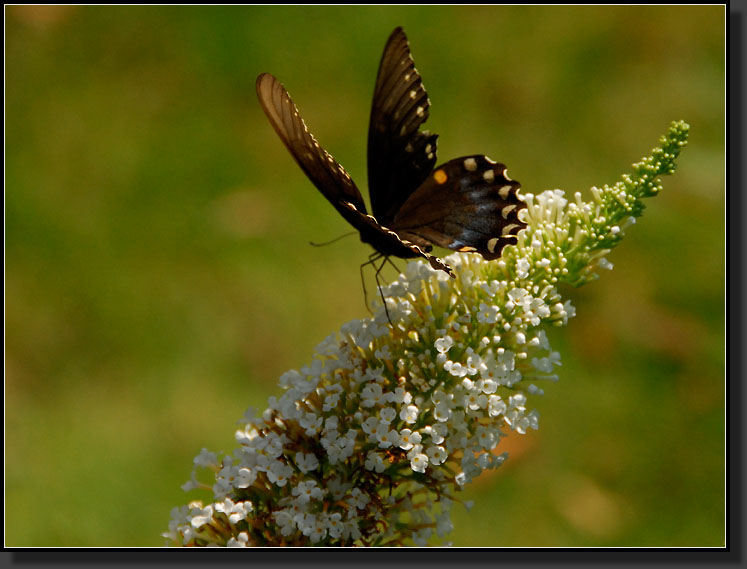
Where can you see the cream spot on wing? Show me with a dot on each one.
(470, 164)
(504, 191)
(506, 230)
(492, 243)
(413, 94)
(419, 111)
(428, 148)
(408, 148)
(508, 209)
(490, 161)
(488, 175)
(505, 174)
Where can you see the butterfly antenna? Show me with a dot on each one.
(333, 240)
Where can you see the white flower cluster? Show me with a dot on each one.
(418, 409)
(369, 443)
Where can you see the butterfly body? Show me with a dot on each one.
(466, 204)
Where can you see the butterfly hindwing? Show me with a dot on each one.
(400, 156)
(467, 204)
(321, 168)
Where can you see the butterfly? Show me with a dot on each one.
(466, 204)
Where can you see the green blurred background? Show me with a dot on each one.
(159, 277)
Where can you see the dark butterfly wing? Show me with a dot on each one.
(327, 175)
(468, 204)
(388, 242)
(400, 157)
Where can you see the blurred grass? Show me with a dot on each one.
(159, 280)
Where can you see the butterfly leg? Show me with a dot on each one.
(381, 292)
(372, 258)
(389, 260)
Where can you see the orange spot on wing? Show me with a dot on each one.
(440, 176)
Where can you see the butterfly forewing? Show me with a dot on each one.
(327, 175)
(400, 156)
(468, 204)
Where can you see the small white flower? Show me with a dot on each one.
(474, 400)
(409, 414)
(307, 490)
(331, 401)
(436, 454)
(306, 462)
(206, 459)
(190, 484)
(419, 462)
(383, 353)
(443, 345)
(387, 414)
(279, 473)
(371, 425)
(401, 396)
(375, 462)
(311, 422)
(422, 536)
(372, 395)
(335, 526)
(444, 525)
(290, 379)
(456, 368)
(488, 313)
(496, 406)
(239, 541)
(387, 437)
(245, 477)
(358, 499)
(438, 432)
(335, 453)
(234, 512)
(442, 411)
(407, 439)
(201, 516)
